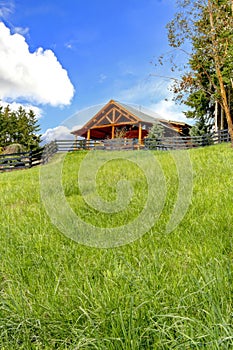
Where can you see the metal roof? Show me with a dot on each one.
(140, 112)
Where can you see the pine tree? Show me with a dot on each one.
(19, 127)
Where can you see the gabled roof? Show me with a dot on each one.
(116, 113)
(119, 114)
(143, 116)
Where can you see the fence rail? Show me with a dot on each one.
(30, 159)
(70, 145)
(165, 143)
(49, 150)
(20, 160)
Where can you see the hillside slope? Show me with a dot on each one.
(162, 291)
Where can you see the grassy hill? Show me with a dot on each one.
(163, 291)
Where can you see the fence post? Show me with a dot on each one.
(30, 159)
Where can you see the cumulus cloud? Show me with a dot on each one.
(60, 132)
(170, 111)
(74, 122)
(14, 106)
(36, 76)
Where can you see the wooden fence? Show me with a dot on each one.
(173, 143)
(165, 143)
(108, 144)
(21, 160)
(48, 151)
(33, 158)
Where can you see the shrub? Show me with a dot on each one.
(13, 148)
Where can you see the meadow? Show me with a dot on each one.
(165, 290)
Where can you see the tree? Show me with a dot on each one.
(156, 131)
(205, 25)
(20, 127)
(200, 128)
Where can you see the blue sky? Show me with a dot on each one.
(66, 55)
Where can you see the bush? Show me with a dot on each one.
(13, 148)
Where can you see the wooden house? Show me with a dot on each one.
(120, 120)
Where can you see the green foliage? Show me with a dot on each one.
(202, 111)
(155, 134)
(164, 291)
(19, 127)
(200, 128)
(205, 27)
(156, 131)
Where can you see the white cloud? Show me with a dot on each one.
(144, 90)
(60, 132)
(170, 111)
(6, 8)
(36, 76)
(74, 122)
(157, 97)
(14, 106)
(21, 30)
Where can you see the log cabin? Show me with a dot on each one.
(117, 119)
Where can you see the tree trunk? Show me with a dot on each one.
(219, 73)
(216, 117)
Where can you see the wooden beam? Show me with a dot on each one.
(113, 131)
(124, 110)
(131, 118)
(116, 124)
(111, 105)
(139, 133)
(88, 134)
(105, 116)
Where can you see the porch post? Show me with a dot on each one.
(88, 134)
(139, 133)
(113, 131)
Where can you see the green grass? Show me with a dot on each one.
(163, 291)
